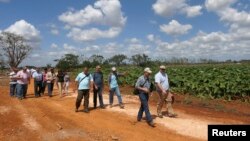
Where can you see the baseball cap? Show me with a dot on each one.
(162, 67)
(98, 67)
(147, 70)
(113, 69)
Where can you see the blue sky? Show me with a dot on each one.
(211, 29)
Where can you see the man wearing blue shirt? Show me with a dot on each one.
(114, 88)
(38, 80)
(98, 86)
(84, 82)
(162, 85)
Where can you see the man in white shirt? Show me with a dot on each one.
(162, 87)
(13, 82)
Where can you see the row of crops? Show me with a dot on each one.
(208, 81)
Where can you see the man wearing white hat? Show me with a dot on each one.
(143, 85)
(162, 86)
(114, 88)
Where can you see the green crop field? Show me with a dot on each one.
(229, 82)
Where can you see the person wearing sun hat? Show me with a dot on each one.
(143, 84)
(162, 87)
(114, 87)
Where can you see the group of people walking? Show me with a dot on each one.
(86, 82)
(20, 79)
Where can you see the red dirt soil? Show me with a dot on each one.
(52, 119)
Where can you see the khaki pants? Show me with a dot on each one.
(165, 99)
(60, 85)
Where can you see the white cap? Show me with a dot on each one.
(147, 70)
(113, 69)
(162, 67)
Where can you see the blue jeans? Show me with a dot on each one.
(44, 83)
(13, 89)
(50, 88)
(99, 93)
(118, 94)
(144, 107)
(21, 90)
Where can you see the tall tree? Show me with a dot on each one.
(2, 62)
(67, 62)
(140, 60)
(96, 58)
(14, 48)
(118, 59)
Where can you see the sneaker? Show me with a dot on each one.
(172, 115)
(121, 106)
(138, 120)
(151, 123)
(86, 111)
(76, 110)
(110, 106)
(102, 107)
(160, 116)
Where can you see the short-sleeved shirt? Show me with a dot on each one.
(25, 76)
(144, 82)
(98, 78)
(44, 77)
(37, 76)
(60, 77)
(113, 81)
(162, 79)
(66, 78)
(50, 77)
(84, 84)
(12, 75)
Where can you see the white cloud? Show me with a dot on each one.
(167, 8)
(215, 45)
(92, 34)
(27, 30)
(216, 5)
(228, 14)
(133, 40)
(68, 47)
(105, 13)
(192, 11)
(137, 48)
(174, 28)
(53, 45)
(150, 37)
(54, 31)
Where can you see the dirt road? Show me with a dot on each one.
(52, 119)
